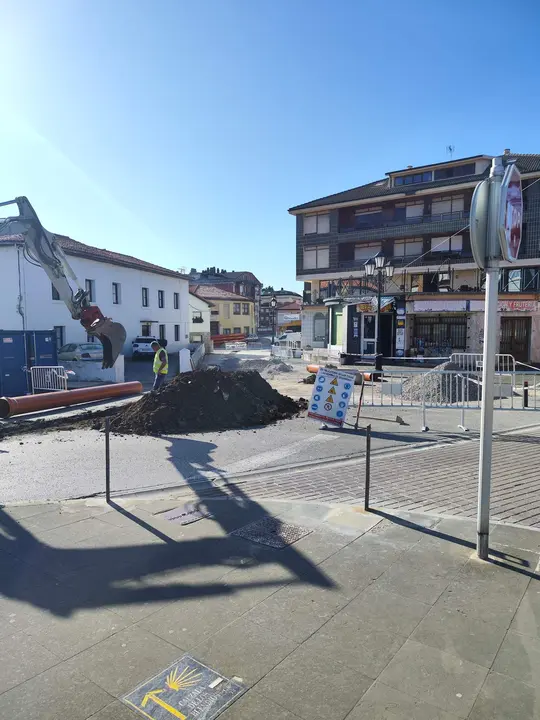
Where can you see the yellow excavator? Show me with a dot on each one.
(42, 248)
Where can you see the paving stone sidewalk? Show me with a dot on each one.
(440, 478)
(365, 617)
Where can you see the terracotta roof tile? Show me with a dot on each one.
(79, 249)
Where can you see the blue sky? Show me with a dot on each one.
(182, 131)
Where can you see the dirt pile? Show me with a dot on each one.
(452, 386)
(206, 400)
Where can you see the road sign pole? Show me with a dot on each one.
(488, 368)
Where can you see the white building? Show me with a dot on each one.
(199, 319)
(145, 298)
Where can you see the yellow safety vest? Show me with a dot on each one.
(157, 362)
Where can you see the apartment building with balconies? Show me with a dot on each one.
(418, 217)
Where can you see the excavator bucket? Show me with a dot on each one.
(112, 336)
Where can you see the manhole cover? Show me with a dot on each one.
(273, 532)
(188, 513)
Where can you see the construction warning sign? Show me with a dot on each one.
(331, 395)
(186, 690)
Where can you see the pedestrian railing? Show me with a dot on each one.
(48, 378)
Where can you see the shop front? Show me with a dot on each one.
(437, 328)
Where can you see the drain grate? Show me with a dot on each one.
(273, 532)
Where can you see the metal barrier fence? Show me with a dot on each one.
(285, 351)
(451, 389)
(48, 378)
(236, 346)
(473, 361)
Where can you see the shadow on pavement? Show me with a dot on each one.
(63, 580)
(497, 557)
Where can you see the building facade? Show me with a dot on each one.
(242, 283)
(145, 298)
(283, 297)
(199, 320)
(418, 218)
(230, 314)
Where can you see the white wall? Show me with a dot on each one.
(196, 304)
(43, 313)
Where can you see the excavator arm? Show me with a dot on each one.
(42, 248)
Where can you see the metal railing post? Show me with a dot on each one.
(107, 461)
(424, 424)
(368, 468)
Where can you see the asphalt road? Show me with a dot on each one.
(67, 464)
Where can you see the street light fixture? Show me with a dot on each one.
(273, 305)
(379, 267)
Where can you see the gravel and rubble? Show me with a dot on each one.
(439, 387)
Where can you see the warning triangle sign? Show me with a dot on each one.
(329, 399)
(332, 391)
(334, 382)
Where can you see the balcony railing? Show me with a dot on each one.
(445, 222)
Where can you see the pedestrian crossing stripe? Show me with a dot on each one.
(329, 399)
(334, 382)
(332, 391)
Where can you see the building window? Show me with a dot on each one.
(90, 287)
(162, 332)
(176, 333)
(237, 330)
(116, 293)
(408, 247)
(246, 330)
(456, 171)
(422, 177)
(160, 299)
(226, 331)
(366, 250)
(447, 244)
(510, 280)
(236, 308)
(55, 294)
(245, 308)
(317, 224)
(226, 311)
(370, 217)
(176, 300)
(197, 316)
(60, 335)
(316, 257)
(90, 338)
(145, 297)
(447, 205)
(146, 329)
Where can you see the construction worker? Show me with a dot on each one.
(161, 365)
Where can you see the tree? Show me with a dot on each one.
(269, 289)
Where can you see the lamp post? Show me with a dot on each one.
(380, 268)
(273, 305)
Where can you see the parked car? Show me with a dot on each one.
(142, 346)
(81, 351)
(252, 338)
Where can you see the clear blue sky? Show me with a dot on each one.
(182, 131)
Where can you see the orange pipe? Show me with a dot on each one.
(32, 403)
(315, 369)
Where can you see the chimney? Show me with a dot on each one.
(507, 151)
(409, 167)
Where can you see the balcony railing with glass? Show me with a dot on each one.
(441, 223)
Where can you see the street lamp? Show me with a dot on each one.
(379, 268)
(273, 305)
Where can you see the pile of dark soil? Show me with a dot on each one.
(206, 400)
